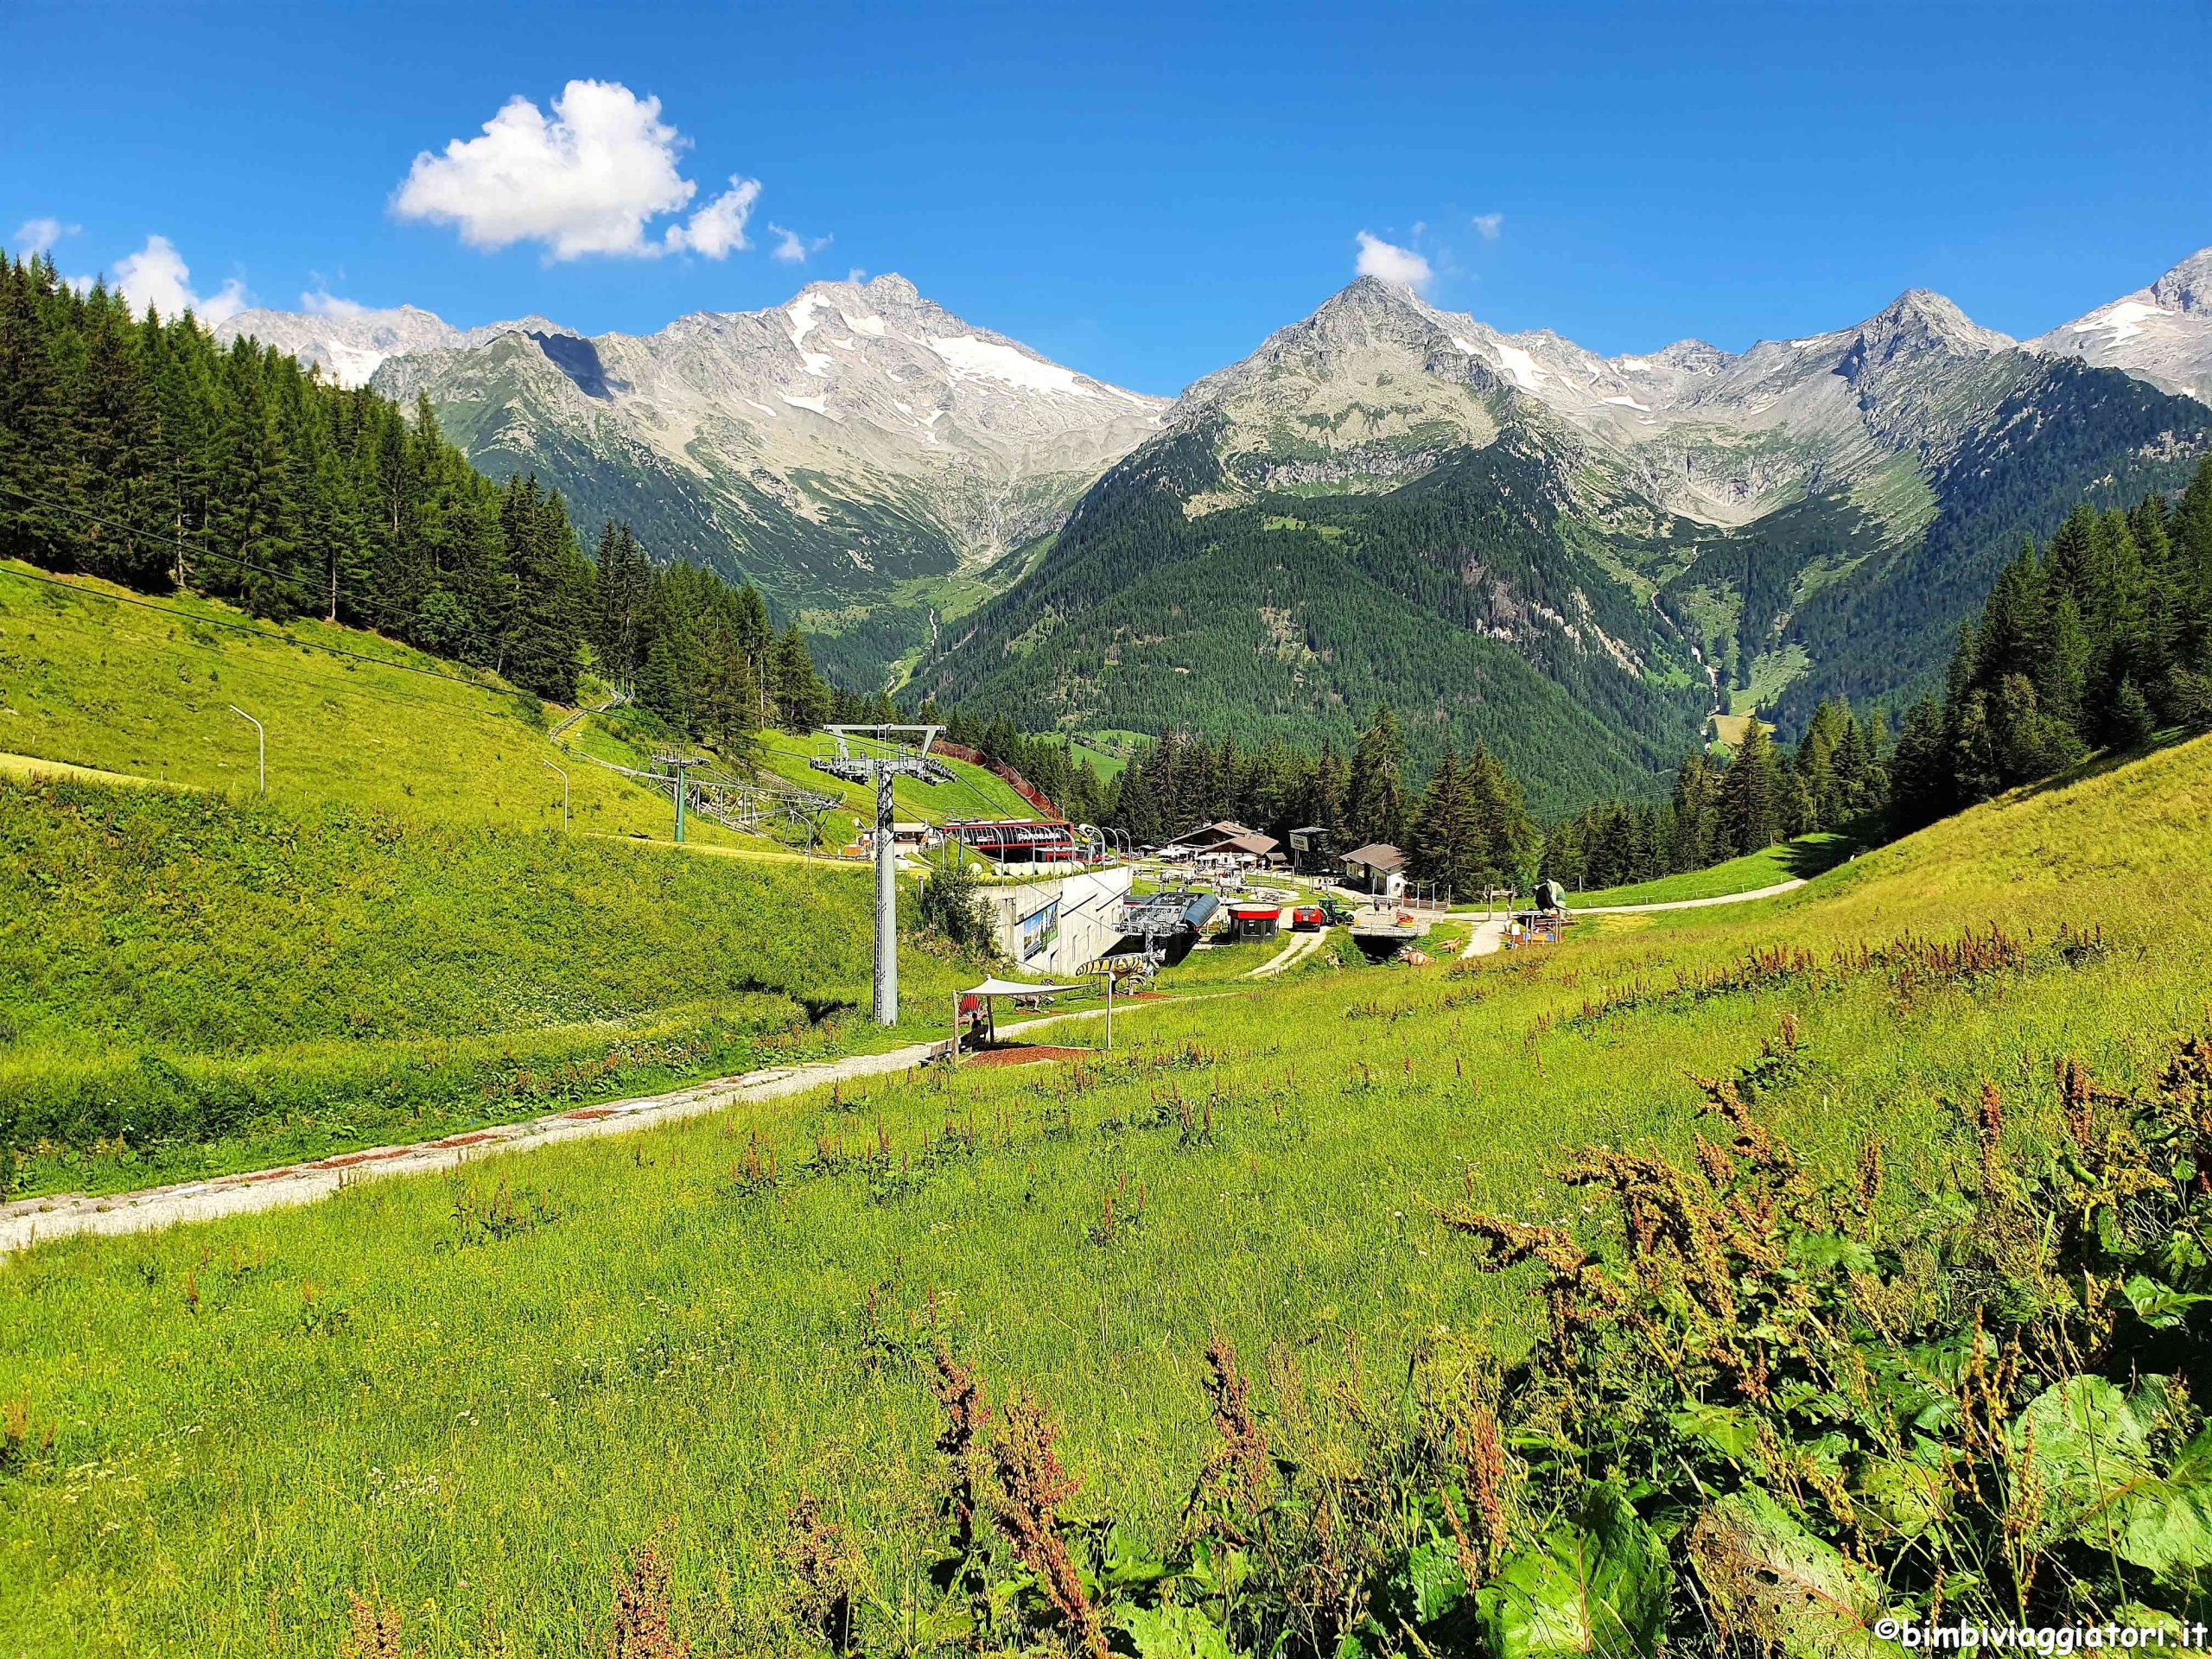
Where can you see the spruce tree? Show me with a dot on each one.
(1375, 802)
(1749, 792)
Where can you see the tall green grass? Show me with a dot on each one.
(90, 677)
(189, 982)
(692, 1327)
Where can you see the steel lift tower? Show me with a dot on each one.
(884, 754)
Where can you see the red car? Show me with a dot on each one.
(1307, 918)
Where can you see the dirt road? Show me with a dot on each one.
(33, 1221)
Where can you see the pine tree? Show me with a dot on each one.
(1440, 840)
(1751, 792)
(1375, 798)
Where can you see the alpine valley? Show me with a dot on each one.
(1576, 560)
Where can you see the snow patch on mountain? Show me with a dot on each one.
(2162, 334)
(968, 355)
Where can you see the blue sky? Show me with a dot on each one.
(1141, 191)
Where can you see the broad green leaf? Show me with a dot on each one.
(1908, 1494)
(1724, 1428)
(1598, 1585)
(1173, 1633)
(2159, 1305)
(2101, 1483)
(1433, 1574)
(1129, 1566)
(1798, 1594)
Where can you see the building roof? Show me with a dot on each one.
(1212, 835)
(1254, 843)
(1378, 855)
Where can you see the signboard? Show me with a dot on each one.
(1038, 931)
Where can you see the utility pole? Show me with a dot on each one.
(887, 900)
(681, 765)
(549, 766)
(891, 758)
(261, 743)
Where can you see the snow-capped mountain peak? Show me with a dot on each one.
(857, 430)
(2162, 334)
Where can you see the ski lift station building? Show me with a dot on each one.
(1061, 925)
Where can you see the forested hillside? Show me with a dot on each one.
(2097, 639)
(1294, 615)
(1881, 627)
(2100, 638)
(137, 449)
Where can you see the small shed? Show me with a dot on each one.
(1251, 922)
(1377, 868)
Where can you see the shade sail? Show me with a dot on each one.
(1011, 988)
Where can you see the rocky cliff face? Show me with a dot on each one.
(1378, 378)
(2162, 334)
(851, 394)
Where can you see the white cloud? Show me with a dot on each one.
(856, 276)
(1392, 262)
(39, 235)
(158, 275)
(793, 248)
(581, 180)
(718, 228)
(321, 303)
(1489, 224)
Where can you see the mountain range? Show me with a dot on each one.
(1574, 559)
(857, 454)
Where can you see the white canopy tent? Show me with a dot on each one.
(993, 988)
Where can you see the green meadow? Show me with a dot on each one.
(468, 1396)
(1800, 860)
(94, 677)
(192, 983)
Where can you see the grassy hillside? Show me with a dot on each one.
(1800, 860)
(95, 677)
(191, 983)
(685, 1332)
(976, 792)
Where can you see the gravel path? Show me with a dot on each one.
(1487, 937)
(1778, 888)
(33, 1221)
(1301, 946)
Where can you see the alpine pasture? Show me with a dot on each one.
(470, 1399)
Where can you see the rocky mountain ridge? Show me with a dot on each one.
(2162, 334)
(872, 461)
(1649, 533)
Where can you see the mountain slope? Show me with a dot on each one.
(1649, 534)
(350, 343)
(2162, 334)
(849, 453)
(828, 450)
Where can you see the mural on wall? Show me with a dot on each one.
(1039, 930)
